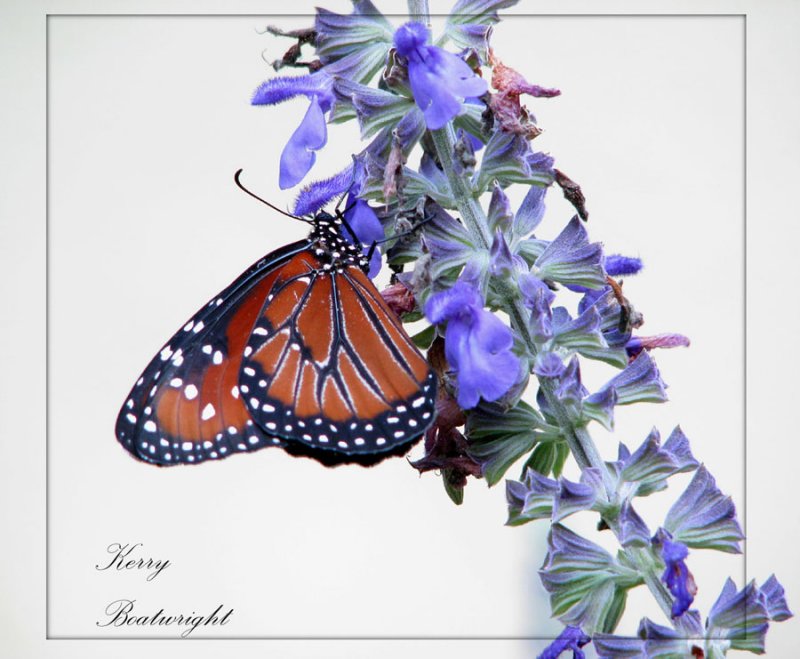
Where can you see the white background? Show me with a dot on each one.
(148, 120)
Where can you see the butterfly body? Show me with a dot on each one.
(299, 352)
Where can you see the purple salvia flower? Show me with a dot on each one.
(440, 81)
(464, 151)
(739, 618)
(537, 296)
(572, 259)
(583, 335)
(298, 155)
(501, 261)
(367, 227)
(500, 216)
(586, 584)
(538, 497)
(638, 382)
(531, 210)
(636, 344)
(677, 578)
(572, 638)
(570, 389)
(650, 465)
(315, 195)
(605, 302)
(655, 640)
(617, 265)
(609, 646)
(374, 108)
(530, 499)
(508, 158)
(775, 601)
(470, 22)
(677, 446)
(703, 517)
(548, 365)
(601, 408)
(477, 344)
(633, 529)
(573, 497)
(363, 37)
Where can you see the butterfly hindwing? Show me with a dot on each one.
(329, 367)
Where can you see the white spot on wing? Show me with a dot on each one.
(208, 412)
(190, 392)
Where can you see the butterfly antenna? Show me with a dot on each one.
(264, 201)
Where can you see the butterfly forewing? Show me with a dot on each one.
(186, 406)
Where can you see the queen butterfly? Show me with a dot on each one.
(300, 351)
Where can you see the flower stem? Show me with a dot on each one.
(579, 440)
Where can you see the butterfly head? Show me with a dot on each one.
(333, 245)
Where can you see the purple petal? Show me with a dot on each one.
(368, 228)
(408, 38)
(616, 264)
(775, 600)
(531, 210)
(482, 355)
(501, 262)
(461, 299)
(298, 155)
(277, 90)
(437, 103)
(548, 365)
(676, 577)
(572, 638)
(440, 81)
(315, 195)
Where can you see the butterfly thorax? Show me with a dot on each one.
(332, 248)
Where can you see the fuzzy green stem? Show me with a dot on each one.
(580, 442)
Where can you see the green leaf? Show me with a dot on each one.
(498, 437)
(456, 494)
(498, 454)
(562, 453)
(543, 459)
(616, 607)
(424, 339)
